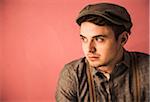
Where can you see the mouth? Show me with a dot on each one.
(93, 57)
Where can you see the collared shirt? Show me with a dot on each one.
(73, 83)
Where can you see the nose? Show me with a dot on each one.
(92, 48)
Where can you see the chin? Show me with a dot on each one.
(94, 64)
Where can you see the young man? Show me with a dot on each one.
(108, 72)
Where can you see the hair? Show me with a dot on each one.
(117, 29)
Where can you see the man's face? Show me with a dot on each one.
(99, 44)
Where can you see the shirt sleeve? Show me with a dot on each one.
(66, 90)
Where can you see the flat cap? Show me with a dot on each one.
(114, 13)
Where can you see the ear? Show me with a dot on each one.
(123, 38)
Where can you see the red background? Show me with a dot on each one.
(39, 36)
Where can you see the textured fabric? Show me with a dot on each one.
(73, 83)
(114, 13)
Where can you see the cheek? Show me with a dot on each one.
(106, 49)
(85, 49)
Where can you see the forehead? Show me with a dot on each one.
(89, 29)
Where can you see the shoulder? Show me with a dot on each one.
(142, 62)
(142, 57)
(73, 66)
(141, 54)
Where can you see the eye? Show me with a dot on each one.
(84, 39)
(99, 39)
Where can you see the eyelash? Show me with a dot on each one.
(83, 39)
(99, 38)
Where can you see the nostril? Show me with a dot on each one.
(92, 50)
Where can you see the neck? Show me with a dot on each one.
(109, 67)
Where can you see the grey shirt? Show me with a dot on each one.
(73, 85)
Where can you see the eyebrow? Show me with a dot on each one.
(94, 36)
(82, 35)
(99, 36)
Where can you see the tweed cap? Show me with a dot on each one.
(114, 13)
